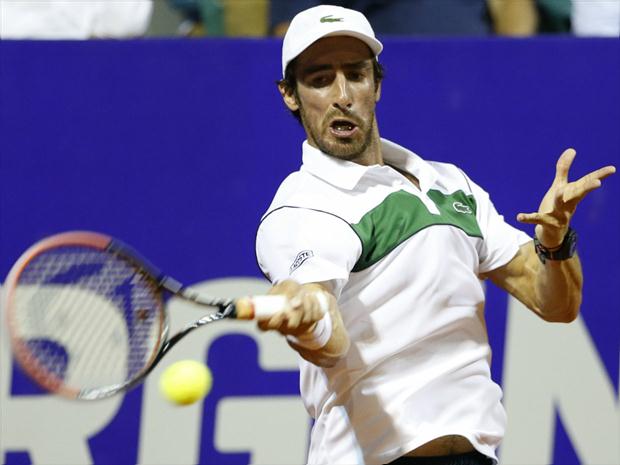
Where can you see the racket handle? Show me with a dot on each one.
(263, 306)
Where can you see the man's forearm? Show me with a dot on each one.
(557, 285)
(552, 290)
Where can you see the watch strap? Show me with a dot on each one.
(564, 252)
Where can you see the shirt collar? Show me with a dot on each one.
(347, 174)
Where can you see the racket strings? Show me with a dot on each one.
(86, 318)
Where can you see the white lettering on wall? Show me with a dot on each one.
(249, 424)
(556, 366)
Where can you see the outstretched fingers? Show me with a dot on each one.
(566, 195)
(576, 191)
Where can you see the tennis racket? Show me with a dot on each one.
(87, 317)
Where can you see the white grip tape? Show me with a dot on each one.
(267, 305)
(322, 331)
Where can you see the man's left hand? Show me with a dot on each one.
(560, 201)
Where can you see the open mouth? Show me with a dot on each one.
(342, 128)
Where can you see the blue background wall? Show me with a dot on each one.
(178, 146)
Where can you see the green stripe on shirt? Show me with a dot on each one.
(401, 215)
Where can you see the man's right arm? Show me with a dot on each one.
(308, 255)
(300, 322)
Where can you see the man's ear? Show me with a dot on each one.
(378, 92)
(290, 100)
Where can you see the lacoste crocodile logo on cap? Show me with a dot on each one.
(329, 19)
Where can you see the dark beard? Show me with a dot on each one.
(349, 151)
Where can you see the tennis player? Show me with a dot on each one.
(397, 370)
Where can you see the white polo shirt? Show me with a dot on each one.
(404, 264)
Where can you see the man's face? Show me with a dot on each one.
(336, 96)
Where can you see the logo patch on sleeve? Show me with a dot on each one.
(300, 259)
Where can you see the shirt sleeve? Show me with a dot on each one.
(501, 240)
(307, 246)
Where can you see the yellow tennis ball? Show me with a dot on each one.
(185, 382)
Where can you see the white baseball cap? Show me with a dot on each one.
(312, 24)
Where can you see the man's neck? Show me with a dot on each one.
(410, 177)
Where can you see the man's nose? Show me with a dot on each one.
(342, 93)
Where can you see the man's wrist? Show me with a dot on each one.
(562, 252)
(318, 337)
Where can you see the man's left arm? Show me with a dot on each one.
(551, 289)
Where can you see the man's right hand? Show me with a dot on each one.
(301, 318)
(303, 313)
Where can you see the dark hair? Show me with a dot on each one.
(290, 81)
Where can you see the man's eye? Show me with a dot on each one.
(319, 81)
(356, 76)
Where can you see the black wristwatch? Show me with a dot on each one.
(565, 251)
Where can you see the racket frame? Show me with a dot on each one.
(164, 285)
